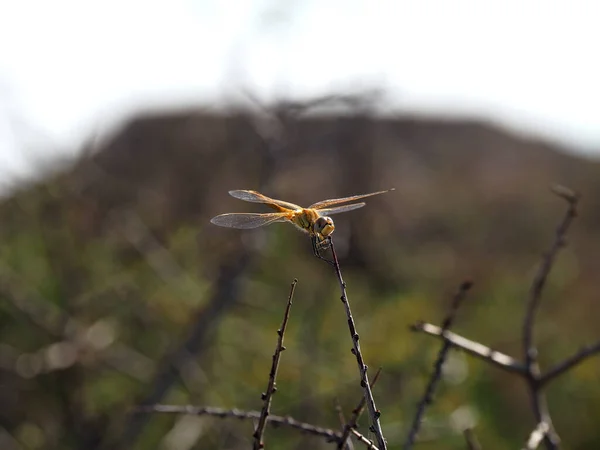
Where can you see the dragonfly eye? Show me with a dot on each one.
(324, 226)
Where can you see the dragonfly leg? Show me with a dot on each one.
(318, 246)
(325, 244)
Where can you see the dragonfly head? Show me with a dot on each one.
(323, 226)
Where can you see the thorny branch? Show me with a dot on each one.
(362, 367)
(538, 400)
(352, 423)
(273, 420)
(361, 438)
(338, 407)
(530, 369)
(437, 372)
(271, 388)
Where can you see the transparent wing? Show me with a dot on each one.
(335, 201)
(340, 209)
(247, 220)
(257, 197)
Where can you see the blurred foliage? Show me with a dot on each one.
(108, 267)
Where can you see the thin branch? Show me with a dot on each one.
(361, 438)
(471, 439)
(222, 413)
(537, 436)
(473, 348)
(362, 367)
(439, 363)
(345, 444)
(539, 280)
(273, 420)
(352, 423)
(340, 412)
(271, 388)
(569, 363)
(538, 401)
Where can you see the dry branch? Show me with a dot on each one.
(352, 423)
(267, 396)
(530, 369)
(538, 400)
(473, 348)
(273, 420)
(569, 363)
(222, 413)
(368, 442)
(536, 436)
(362, 367)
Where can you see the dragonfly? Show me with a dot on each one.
(313, 220)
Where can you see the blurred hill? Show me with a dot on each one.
(116, 288)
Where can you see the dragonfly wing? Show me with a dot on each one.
(257, 197)
(336, 201)
(340, 209)
(245, 221)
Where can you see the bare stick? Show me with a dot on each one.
(362, 367)
(471, 440)
(361, 438)
(439, 363)
(351, 424)
(346, 444)
(537, 436)
(271, 388)
(473, 348)
(569, 363)
(538, 401)
(273, 420)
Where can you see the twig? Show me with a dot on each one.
(222, 413)
(538, 400)
(569, 363)
(471, 440)
(273, 420)
(536, 436)
(473, 348)
(271, 388)
(345, 444)
(530, 370)
(338, 409)
(362, 367)
(439, 363)
(351, 424)
(361, 438)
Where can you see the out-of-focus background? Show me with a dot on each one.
(123, 124)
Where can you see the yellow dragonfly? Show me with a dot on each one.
(313, 220)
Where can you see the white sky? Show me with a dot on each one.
(68, 67)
